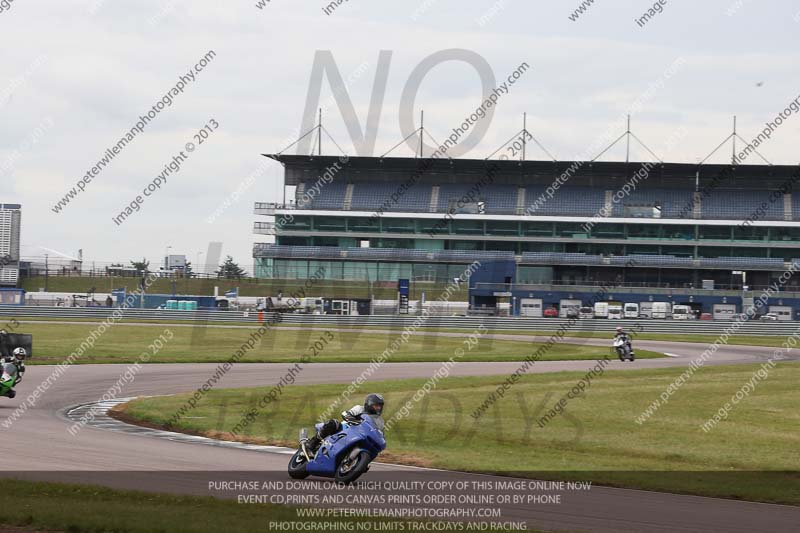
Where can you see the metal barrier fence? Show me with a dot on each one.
(701, 327)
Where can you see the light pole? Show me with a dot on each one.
(198, 270)
(46, 273)
(166, 256)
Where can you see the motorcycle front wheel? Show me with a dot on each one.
(297, 466)
(351, 469)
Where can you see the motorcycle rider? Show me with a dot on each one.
(13, 368)
(625, 337)
(373, 405)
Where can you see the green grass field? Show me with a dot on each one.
(744, 340)
(36, 506)
(124, 343)
(752, 455)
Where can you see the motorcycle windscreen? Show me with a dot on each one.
(378, 421)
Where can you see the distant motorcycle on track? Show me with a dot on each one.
(622, 345)
(344, 456)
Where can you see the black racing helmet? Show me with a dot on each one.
(373, 405)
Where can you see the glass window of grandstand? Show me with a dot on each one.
(540, 229)
(609, 231)
(331, 269)
(294, 223)
(326, 241)
(265, 267)
(293, 241)
(454, 271)
(503, 246)
(431, 225)
(529, 274)
(362, 224)
(360, 271)
(711, 252)
(464, 245)
(570, 229)
(578, 248)
(290, 269)
(608, 249)
(678, 251)
(641, 277)
(393, 243)
(750, 252)
(644, 231)
(397, 225)
(394, 271)
(501, 227)
(572, 276)
(642, 250)
(467, 227)
(787, 254)
(430, 272)
(329, 223)
(715, 233)
(542, 246)
(674, 231)
(750, 233)
(785, 234)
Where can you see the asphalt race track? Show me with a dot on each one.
(39, 445)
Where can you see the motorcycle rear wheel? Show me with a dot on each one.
(351, 469)
(297, 466)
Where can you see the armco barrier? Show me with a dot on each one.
(702, 327)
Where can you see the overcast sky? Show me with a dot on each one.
(77, 74)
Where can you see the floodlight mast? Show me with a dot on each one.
(524, 133)
(319, 151)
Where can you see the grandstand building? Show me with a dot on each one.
(664, 229)
(10, 219)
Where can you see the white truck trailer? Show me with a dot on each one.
(724, 311)
(661, 310)
(569, 308)
(630, 310)
(601, 310)
(681, 312)
(784, 312)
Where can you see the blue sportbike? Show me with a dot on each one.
(343, 456)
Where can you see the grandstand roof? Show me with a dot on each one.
(303, 167)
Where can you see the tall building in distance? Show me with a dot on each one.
(10, 220)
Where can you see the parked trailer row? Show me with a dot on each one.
(573, 308)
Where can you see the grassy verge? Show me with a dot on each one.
(37, 506)
(737, 339)
(752, 455)
(742, 340)
(124, 343)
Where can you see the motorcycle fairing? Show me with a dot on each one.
(365, 436)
